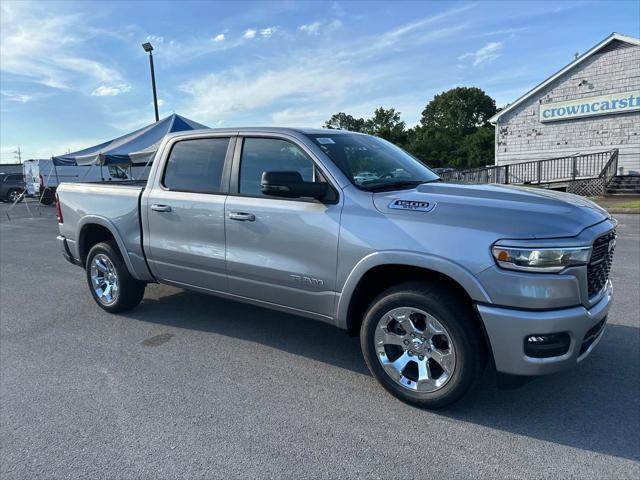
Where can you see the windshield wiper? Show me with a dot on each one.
(397, 185)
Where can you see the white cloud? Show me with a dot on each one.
(110, 90)
(250, 33)
(320, 82)
(505, 31)
(70, 144)
(410, 34)
(155, 39)
(268, 32)
(316, 28)
(250, 87)
(486, 54)
(300, 117)
(418, 24)
(176, 52)
(16, 96)
(161, 102)
(311, 28)
(47, 49)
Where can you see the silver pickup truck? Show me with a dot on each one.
(438, 279)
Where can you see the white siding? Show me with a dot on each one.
(520, 136)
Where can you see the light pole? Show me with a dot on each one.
(149, 48)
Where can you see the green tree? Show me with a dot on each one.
(479, 147)
(454, 129)
(435, 147)
(461, 110)
(343, 121)
(387, 124)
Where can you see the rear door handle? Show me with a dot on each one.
(161, 208)
(242, 216)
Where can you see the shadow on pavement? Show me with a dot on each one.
(290, 333)
(593, 407)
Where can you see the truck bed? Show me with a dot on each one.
(113, 205)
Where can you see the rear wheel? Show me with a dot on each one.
(47, 196)
(423, 344)
(112, 286)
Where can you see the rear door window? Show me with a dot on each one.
(196, 165)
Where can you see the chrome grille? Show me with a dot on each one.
(600, 263)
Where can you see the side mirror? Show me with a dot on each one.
(291, 185)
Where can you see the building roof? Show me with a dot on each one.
(611, 38)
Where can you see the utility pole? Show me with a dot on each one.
(149, 48)
(17, 154)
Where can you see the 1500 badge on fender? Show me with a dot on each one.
(411, 205)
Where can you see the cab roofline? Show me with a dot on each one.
(280, 130)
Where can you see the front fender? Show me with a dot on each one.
(411, 259)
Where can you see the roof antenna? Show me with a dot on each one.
(576, 55)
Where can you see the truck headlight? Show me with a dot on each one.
(543, 260)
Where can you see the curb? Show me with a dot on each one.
(624, 210)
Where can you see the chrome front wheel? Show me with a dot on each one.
(104, 279)
(415, 349)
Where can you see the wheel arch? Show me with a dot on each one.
(94, 229)
(379, 271)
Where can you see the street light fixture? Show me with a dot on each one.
(149, 48)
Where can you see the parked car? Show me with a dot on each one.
(439, 280)
(12, 187)
(362, 177)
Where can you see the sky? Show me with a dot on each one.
(74, 74)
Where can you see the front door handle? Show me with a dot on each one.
(161, 208)
(242, 216)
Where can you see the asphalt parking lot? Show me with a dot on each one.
(190, 386)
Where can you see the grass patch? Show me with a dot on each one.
(618, 202)
(631, 204)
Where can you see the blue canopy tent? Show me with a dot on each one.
(135, 148)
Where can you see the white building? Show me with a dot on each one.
(591, 105)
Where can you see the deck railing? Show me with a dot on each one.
(552, 170)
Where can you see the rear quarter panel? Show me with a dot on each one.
(115, 207)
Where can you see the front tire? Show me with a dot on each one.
(14, 195)
(111, 285)
(423, 344)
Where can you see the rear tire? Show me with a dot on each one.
(47, 196)
(112, 286)
(423, 343)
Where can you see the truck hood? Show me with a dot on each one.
(511, 212)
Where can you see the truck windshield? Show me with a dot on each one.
(372, 163)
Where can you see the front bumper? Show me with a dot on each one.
(507, 329)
